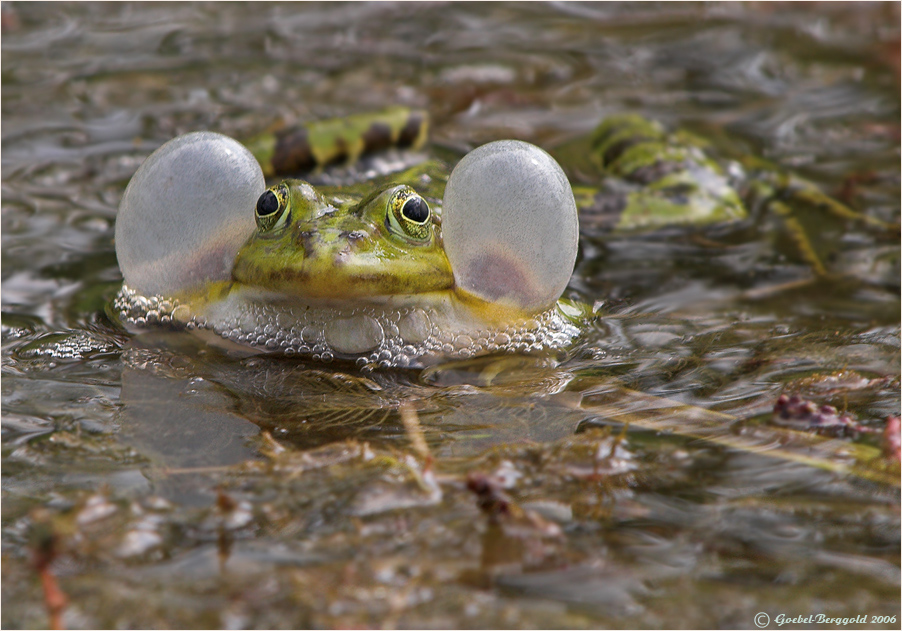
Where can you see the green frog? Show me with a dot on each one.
(391, 278)
(423, 268)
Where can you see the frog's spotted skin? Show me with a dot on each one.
(305, 246)
(652, 178)
(669, 179)
(320, 144)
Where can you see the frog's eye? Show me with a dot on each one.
(416, 210)
(409, 215)
(272, 208)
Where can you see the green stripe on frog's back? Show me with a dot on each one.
(318, 144)
(671, 179)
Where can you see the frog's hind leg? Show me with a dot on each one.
(810, 223)
(338, 141)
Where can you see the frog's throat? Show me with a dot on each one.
(408, 331)
(491, 313)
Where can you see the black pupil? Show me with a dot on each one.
(416, 209)
(267, 204)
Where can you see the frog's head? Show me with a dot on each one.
(196, 215)
(386, 245)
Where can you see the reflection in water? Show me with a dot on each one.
(187, 405)
(180, 424)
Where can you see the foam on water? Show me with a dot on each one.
(372, 336)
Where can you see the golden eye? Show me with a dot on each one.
(272, 208)
(409, 215)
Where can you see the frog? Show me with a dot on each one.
(425, 266)
(388, 279)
